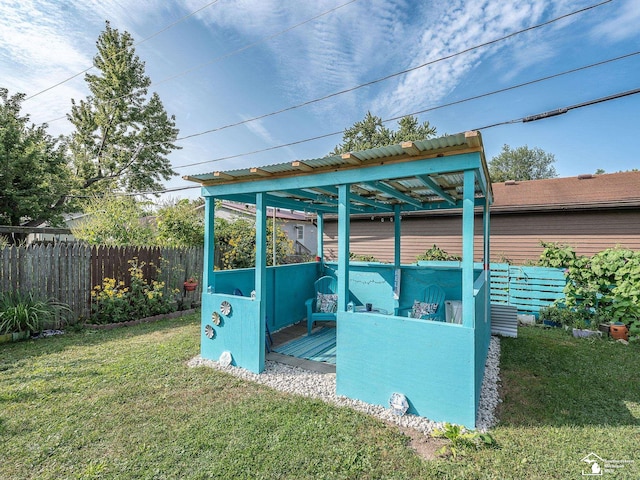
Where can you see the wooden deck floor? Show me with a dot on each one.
(289, 333)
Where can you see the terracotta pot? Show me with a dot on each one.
(618, 332)
(190, 287)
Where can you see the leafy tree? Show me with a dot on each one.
(116, 220)
(370, 133)
(121, 138)
(236, 242)
(33, 172)
(180, 224)
(522, 163)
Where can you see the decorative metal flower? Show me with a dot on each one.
(209, 331)
(215, 318)
(225, 308)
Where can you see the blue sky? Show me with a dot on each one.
(233, 61)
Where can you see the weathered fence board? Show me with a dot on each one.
(67, 272)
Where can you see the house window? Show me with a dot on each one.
(299, 232)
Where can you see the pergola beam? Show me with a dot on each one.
(433, 185)
(383, 187)
(301, 166)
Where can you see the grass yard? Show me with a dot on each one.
(123, 404)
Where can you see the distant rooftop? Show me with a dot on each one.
(579, 192)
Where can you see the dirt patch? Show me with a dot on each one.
(426, 447)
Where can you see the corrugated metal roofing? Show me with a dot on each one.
(407, 191)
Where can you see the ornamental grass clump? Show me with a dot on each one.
(26, 312)
(114, 302)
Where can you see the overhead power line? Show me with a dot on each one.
(164, 29)
(540, 116)
(393, 75)
(436, 107)
(257, 42)
(563, 110)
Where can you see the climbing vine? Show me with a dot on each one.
(608, 282)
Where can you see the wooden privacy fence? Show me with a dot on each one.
(61, 272)
(67, 272)
(527, 288)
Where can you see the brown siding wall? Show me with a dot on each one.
(515, 237)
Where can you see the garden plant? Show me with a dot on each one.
(601, 288)
(113, 302)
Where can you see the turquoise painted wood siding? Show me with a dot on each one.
(431, 363)
(241, 333)
(238, 333)
(527, 288)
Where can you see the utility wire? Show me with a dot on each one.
(540, 116)
(457, 102)
(393, 75)
(251, 45)
(561, 111)
(171, 25)
(232, 53)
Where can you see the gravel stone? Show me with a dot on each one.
(298, 381)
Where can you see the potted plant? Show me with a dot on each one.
(191, 284)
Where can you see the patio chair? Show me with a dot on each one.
(431, 306)
(323, 307)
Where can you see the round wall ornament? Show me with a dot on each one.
(209, 332)
(215, 318)
(225, 308)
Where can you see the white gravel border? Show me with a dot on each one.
(298, 381)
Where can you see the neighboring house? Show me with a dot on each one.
(588, 212)
(46, 234)
(298, 227)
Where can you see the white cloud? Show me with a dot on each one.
(459, 27)
(336, 51)
(622, 25)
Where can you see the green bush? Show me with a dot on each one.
(606, 284)
(113, 302)
(25, 312)
(436, 253)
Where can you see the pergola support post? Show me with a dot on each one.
(468, 203)
(487, 257)
(343, 246)
(261, 272)
(320, 226)
(208, 276)
(397, 233)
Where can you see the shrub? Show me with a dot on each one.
(22, 312)
(607, 284)
(436, 253)
(356, 257)
(113, 302)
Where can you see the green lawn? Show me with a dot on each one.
(123, 404)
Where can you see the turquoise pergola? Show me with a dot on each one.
(438, 366)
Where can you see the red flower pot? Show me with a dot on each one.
(190, 286)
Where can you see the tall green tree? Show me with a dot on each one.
(33, 170)
(522, 163)
(181, 224)
(371, 133)
(236, 243)
(116, 221)
(122, 136)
